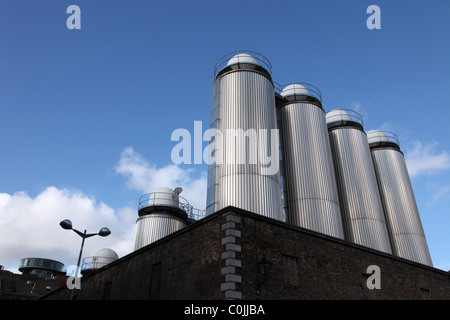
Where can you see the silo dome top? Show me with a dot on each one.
(106, 253)
(164, 197)
(300, 92)
(340, 117)
(379, 138)
(100, 259)
(376, 136)
(242, 58)
(294, 89)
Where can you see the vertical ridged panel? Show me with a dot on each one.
(152, 227)
(246, 101)
(362, 211)
(402, 214)
(211, 202)
(311, 197)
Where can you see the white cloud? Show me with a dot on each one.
(425, 159)
(30, 226)
(440, 193)
(146, 177)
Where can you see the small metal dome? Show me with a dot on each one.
(242, 58)
(294, 89)
(337, 115)
(375, 136)
(379, 138)
(106, 253)
(100, 259)
(344, 117)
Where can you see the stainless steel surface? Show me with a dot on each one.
(152, 227)
(402, 214)
(161, 213)
(41, 263)
(243, 100)
(361, 207)
(166, 197)
(100, 259)
(310, 191)
(211, 202)
(240, 58)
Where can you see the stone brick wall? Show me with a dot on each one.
(183, 265)
(230, 256)
(217, 258)
(307, 265)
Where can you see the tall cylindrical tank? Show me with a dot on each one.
(310, 190)
(402, 214)
(361, 207)
(160, 214)
(245, 173)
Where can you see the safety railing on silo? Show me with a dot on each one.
(382, 137)
(96, 262)
(342, 115)
(313, 91)
(260, 59)
(171, 200)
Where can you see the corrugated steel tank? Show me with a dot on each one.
(243, 99)
(335, 181)
(160, 214)
(361, 207)
(402, 214)
(310, 191)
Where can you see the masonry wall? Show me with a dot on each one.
(217, 258)
(183, 265)
(25, 286)
(307, 265)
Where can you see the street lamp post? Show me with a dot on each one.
(67, 224)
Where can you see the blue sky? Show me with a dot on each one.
(87, 115)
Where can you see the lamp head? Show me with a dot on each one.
(178, 190)
(104, 232)
(66, 224)
(264, 266)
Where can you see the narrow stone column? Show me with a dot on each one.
(232, 233)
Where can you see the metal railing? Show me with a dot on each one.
(197, 214)
(337, 115)
(261, 60)
(96, 262)
(313, 90)
(382, 136)
(171, 200)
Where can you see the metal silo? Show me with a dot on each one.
(310, 191)
(244, 115)
(402, 214)
(160, 213)
(361, 207)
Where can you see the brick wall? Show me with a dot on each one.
(217, 258)
(184, 265)
(307, 265)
